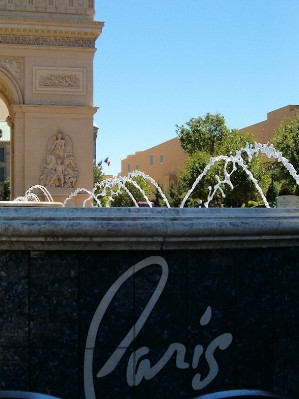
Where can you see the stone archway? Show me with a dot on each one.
(10, 94)
(5, 152)
(46, 82)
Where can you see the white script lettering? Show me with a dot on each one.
(139, 367)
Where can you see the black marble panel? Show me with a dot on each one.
(54, 299)
(211, 284)
(55, 371)
(200, 378)
(254, 364)
(169, 381)
(112, 384)
(14, 291)
(285, 291)
(286, 366)
(14, 368)
(107, 284)
(254, 295)
(186, 322)
(211, 311)
(167, 321)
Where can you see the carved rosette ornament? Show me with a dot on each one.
(59, 168)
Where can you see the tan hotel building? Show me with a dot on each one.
(164, 161)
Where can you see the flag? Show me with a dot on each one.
(100, 164)
(107, 161)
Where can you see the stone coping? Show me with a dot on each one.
(29, 204)
(55, 228)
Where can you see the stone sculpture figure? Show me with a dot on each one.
(59, 168)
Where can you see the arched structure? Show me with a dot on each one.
(46, 81)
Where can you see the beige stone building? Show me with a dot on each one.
(263, 131)
(46, 83)
(164, 161)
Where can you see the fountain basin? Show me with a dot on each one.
(146, 228)
(152, 302)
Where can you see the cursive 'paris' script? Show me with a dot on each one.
(139, 366)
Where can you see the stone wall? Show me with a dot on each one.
(155, 303)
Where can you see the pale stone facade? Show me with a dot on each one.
(162, 162)
(46, 81)
(263, 131)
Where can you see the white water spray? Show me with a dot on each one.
(111, 188)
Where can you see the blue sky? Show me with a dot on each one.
(161, 62)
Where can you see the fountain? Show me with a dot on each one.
(115, 185)
(166, 302)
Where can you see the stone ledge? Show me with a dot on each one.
(42, 228)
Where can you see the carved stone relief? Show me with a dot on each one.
(59, 80)
(47, 41)
(59, 168)
(14, 67)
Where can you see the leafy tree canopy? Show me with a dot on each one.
(286, 140)
(202, 134)
(121, 198)
(207, 137)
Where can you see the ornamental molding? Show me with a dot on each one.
(14, 67)
(78, 111)
(17, 20)
(49, 32)
(59, 80)
(47, 41)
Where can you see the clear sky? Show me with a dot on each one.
(161, 62)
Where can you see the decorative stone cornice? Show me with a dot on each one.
(49, 32)
(13, 20)
(46, 41)
(75, 110)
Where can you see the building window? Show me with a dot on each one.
(2, 176)
(137, 167)
(129, 167)
(161, 158)
(2, 154)
(151, 160)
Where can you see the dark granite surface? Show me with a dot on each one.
(176, 304)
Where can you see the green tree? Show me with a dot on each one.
(6, 190)
(207, 137)
(121, 198)
(202, 134)
(114, 192)
(98, 177)
(194, 166)
(244, 189)
(158, 199)
(286, 140)
(175, 194)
